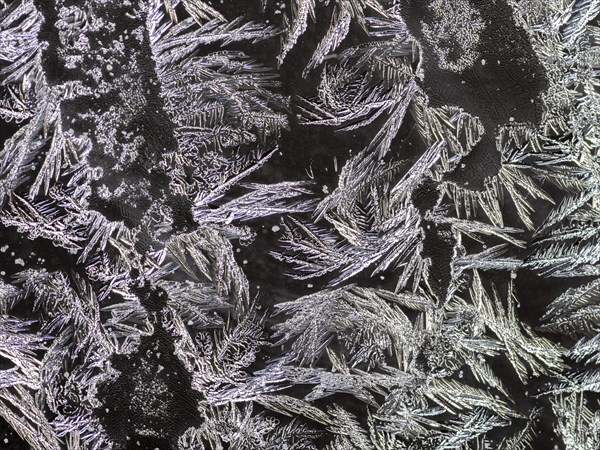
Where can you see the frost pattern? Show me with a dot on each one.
(455, 51)
(141, 139)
